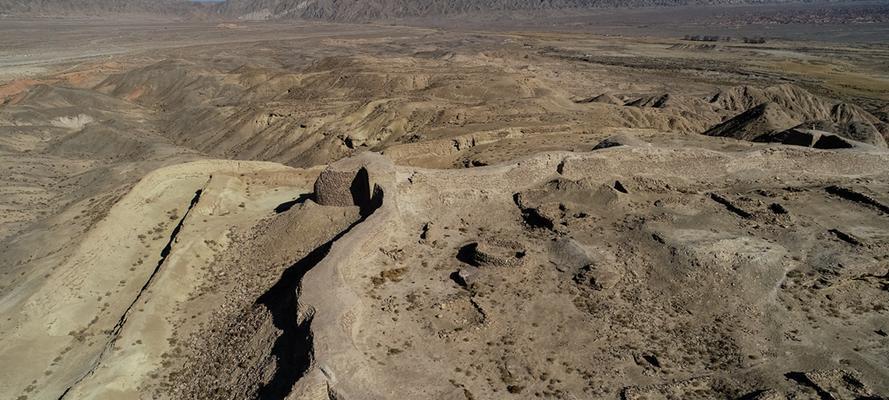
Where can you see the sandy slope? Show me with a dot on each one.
(93, 305)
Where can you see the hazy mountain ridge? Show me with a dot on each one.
(74, 7)
(354, 10)
(335, 10)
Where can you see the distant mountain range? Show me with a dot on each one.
(357, 10)
(92, 7)
(335, 10)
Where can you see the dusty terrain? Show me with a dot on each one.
(311, 210)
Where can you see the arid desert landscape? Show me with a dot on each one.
(457, 200)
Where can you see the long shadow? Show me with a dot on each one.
(287, 205)
(467, 253)
(803, 380)
(293, 348)
(367, 199)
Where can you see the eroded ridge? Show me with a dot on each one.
(616, 282)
